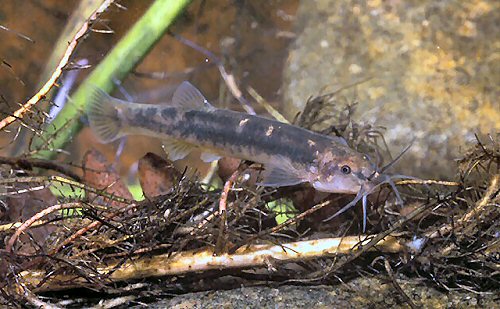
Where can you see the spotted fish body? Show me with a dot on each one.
(290, 154)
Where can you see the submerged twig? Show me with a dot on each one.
(62, 180)
(268, 107)
(281, 226)
(29, 163)
(15, 225)
(476, 210)
(19, 34)
(396, 285)
(205, 259)
(92, 226)
(36, 218)
(490, 194)
(225, 191)
(223, 209)
(428, 182)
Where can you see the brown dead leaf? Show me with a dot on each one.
(156, 175)
(99, 173)
(23, 206)
(227, 166)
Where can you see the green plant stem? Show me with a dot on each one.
(127, 54)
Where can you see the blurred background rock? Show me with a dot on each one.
(434, 69)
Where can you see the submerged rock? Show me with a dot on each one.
(433, 66)
(359, 293)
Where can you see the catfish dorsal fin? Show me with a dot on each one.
(188, 96)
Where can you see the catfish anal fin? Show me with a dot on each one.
(176, 149)
(209, 157)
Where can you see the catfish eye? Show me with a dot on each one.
(345, 169)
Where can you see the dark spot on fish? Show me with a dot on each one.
(139, 118)
(149, 112)
(168, 113)
(330, 169)
(145, 118)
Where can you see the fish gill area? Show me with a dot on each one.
(86, 224)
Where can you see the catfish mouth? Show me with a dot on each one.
(333, 187)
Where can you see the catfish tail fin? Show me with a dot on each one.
(103, 115)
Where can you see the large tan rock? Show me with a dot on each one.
(434, 65)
